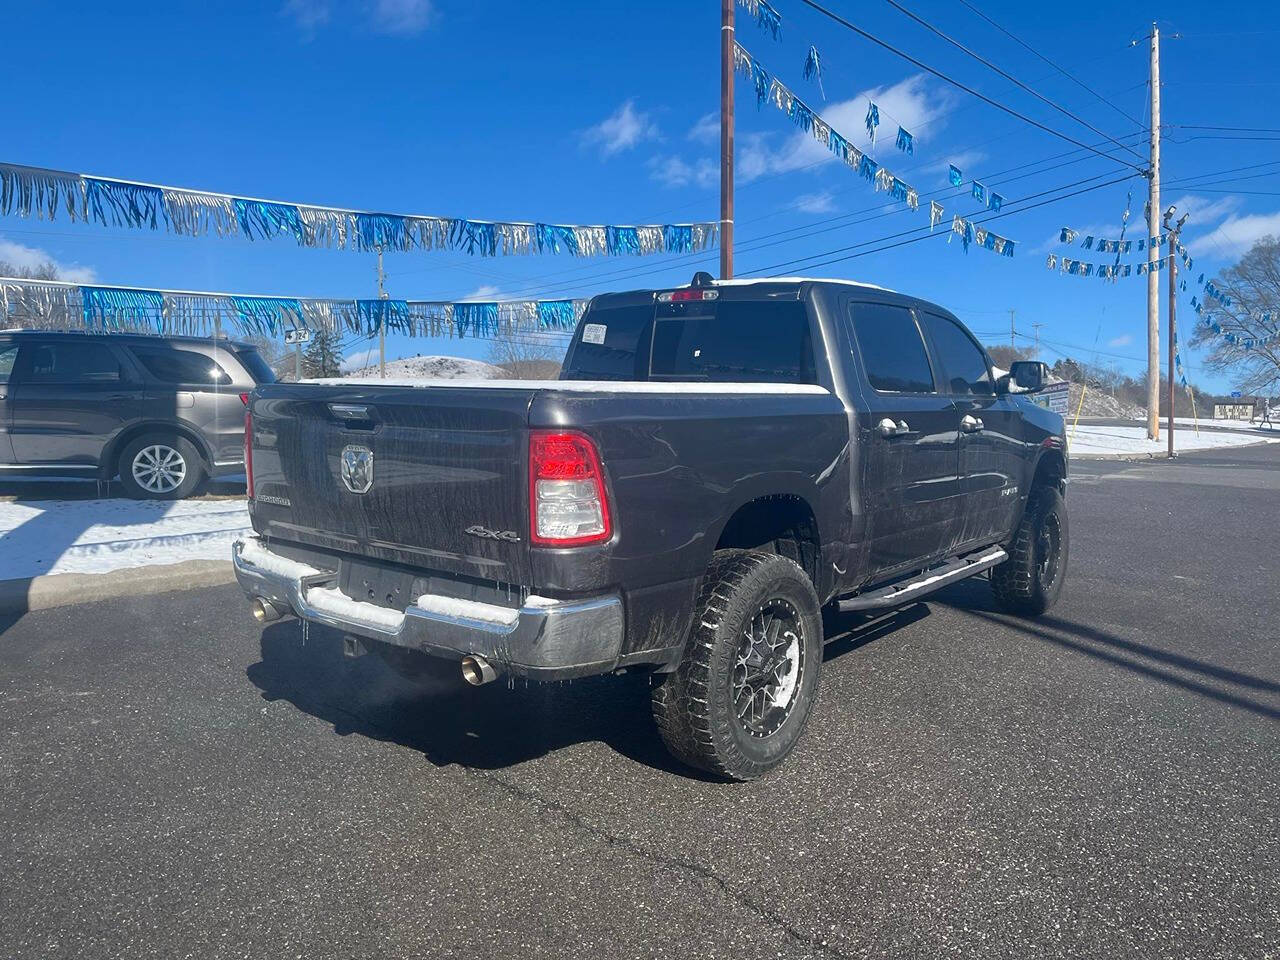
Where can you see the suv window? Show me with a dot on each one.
(181, 366)
(259, 370)
(70, 363)
(964, 360)
(8, 354)
(892, 349)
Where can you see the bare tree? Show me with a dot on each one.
(525, 357)
(1252, 290)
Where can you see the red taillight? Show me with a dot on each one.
(244, 398)
(568, 504)
(248, 450)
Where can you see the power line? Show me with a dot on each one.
(1080, 83)
(958, 84)
(1190, 126)
(1008, 76)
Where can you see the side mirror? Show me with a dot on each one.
(1025, 376)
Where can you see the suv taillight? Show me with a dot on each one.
(248, 453)
(568, 505)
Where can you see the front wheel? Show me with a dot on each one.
(742, 694)
(155, 467)
(1030, 581)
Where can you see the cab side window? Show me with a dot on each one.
(892, 349)
(964, 361)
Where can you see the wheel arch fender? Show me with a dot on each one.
(111, 454)
(778, 513)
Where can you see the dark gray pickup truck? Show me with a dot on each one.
(716, 464)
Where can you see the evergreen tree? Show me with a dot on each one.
(323, 356)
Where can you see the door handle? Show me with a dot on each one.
(971, 424)
(887, 428)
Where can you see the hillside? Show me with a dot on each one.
(431, 368)
(1099, 403)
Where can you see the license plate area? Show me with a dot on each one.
(377, 584)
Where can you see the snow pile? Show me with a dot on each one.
(431, 368)
(1099, 404)
(337, 604)
(38, 537)
(1091, 440)
(458, 609)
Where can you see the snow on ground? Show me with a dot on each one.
(1092, 439)
(97, 536)
(431, 368)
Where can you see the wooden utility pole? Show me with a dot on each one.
(1153, 230)
(382, 321)
(1174, 233)
(726, 139)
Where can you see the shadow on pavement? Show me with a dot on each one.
(975, 598)
(490, 727)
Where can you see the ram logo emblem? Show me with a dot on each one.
(357, 469)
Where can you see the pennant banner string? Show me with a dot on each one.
(55, 305)
(47, 194)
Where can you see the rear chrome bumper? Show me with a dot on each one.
(543, 638)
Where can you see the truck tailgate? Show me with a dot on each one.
(445, 460)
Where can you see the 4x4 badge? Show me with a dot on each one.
(357, 469)
(484, 533)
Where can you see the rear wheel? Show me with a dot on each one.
(1030, 581)
(156, 467)
(741, 697)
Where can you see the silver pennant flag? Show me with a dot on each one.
(324, 228)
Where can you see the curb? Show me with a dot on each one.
(1162, 455)
(66, 589)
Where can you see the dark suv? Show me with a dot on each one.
(162, 413)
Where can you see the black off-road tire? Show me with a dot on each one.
(694, 705)
(1030, 581)
(157, 447)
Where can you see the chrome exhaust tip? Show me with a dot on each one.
(477, 671)
(264, 611)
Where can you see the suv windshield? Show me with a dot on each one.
(761, 341)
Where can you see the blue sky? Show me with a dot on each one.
(589, 112)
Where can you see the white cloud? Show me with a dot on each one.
(675, 172)
(1204, 212)
(309, 15)
(1121, 341)
(404, 18)
(623, 129)
(707, 129)
(485, 291)
(964, 161)
(815, 202)
(1236, 234)
(32, 257)
(914, 102)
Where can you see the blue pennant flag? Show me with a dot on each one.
(979, 192)
(995, 201)
(620, 240)
(266, 219)
(813, 69)
(873, 120)
(867, 169)
(556, 315)
(954, 174)
(480, 318)
(374, 315)
(129, 204)
(107, 306)
(906, 143)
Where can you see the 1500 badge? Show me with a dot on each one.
(484, 533)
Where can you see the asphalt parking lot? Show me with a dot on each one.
(176, 781)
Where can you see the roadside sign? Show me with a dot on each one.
(1055, 396)
(297, 335)
(1233, 411)
(1236, 394)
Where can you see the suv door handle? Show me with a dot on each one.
(971, 424)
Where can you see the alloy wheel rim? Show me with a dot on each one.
(1048, 549)
(159, 468)
(768, 668)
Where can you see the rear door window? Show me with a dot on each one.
(965, 362)
(893, 352)
(259, 370)
(70, 362)
(186, 367)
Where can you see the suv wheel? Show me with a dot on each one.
(155, 467)
(1030, 581)
(741, 696)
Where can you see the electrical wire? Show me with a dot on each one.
(960, 85)
(1026, 46)
(1008, 76)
